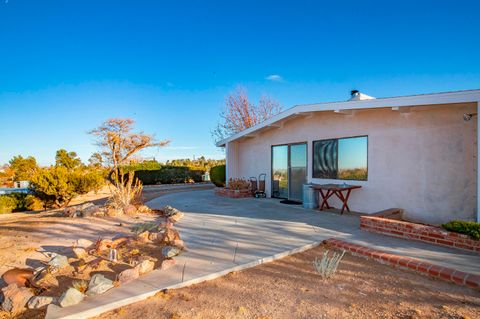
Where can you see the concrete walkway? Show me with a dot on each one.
(224, 235)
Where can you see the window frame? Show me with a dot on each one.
(339, 138)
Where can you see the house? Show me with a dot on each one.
(417, 152)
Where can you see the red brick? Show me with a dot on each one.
(447, 273)
(459, 277)
(435, 270)
(404, 261)
(423, 267)
(445, 242)
(473, 281)
(413, 264)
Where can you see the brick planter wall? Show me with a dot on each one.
(225, 192)
(443, 273)
(429, 234)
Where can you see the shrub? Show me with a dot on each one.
(7, 204)
(33, 203)
(169, 175)
(328, 265)
(217, 175)
(238, 184)
(471, 229)
(57, 186)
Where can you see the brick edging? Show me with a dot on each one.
(444, 273)
(230, 193)
(426, 233)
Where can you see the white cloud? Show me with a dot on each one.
(275, 78)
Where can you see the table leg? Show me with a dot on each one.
(344, 199)
(325, 198)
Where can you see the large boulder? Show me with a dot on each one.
(98, 285)
(15, 298)
(70, 297)
(145, 266)
(128, 275)
(170, 235)
(38, 302)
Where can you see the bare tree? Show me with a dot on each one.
(119, 144)
(239, 113)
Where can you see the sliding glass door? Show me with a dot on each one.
(289, 170)
(280, 171)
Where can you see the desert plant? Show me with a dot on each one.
(217, 175)
(471, 229)
(7, 204)
(140, 228)
(119, 145)
(327, 266)
(238, 184)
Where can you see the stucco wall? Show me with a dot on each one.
(423, 161)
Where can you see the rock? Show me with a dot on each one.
(130, 210)
(178, 243)
(15, 298)
(170, 235)
(90, 210)
(71, 212)
(144, 237)
(58, 262)
(85, 206)
(143, 209)
(167, 263)
(19, 276)
(164, 225)
(102, 244)
(38, 302)
(98, 285)
(128, 275)
(145, 266)
(47, 280)
(169, 211)
(112, 212)
(155, 236)
(84, 243)
(70, 297)
(175, 217)
(170, 252)
(80, 253)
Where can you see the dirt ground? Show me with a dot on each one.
(291, 288)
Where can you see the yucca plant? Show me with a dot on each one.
(327, 266)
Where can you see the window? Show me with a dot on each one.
(342, 158)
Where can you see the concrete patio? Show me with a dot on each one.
(224, 235)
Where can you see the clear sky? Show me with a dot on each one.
(65, 66)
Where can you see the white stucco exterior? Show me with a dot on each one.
(421, 157)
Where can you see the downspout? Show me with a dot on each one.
(478, 164)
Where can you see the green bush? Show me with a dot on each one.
(471, 229)
(169, 175)
(7, 204)
(217, 175)
(33, 203)
(58, 185)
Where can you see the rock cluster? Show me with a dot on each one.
(22, 284)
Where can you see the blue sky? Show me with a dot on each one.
(65, 66)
